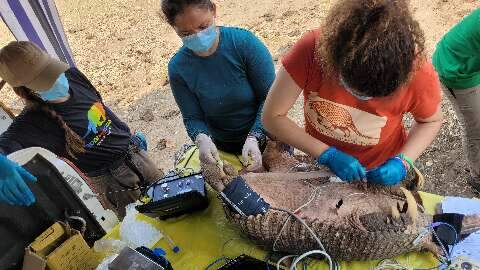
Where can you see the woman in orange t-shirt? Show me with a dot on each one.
(359, 74)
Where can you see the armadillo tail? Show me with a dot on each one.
(470, 224)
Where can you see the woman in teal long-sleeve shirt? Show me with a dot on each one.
(457, 61)
(220, 78)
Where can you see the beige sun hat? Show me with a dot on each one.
(22, 63)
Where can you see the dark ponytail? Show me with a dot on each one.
(74, 144)
(172, 8)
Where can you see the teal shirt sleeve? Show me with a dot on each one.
(222, 95)
(190, 108)
(260, 73)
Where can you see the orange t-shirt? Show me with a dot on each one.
(370, 130)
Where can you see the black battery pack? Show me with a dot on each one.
(175, 195)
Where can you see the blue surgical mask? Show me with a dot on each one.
(57, 91)
(349, 90)
(201, 41)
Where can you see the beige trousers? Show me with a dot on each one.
(119, 186)
(467, 106)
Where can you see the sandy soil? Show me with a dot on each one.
(123, 46)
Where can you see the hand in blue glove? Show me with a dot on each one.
(390, 173)
(13, 189)
(343, 165)
(142, 140)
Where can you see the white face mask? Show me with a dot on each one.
(349, 90)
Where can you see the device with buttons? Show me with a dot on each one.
(175, 195)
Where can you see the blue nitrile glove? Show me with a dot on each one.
(13, 189)
(142, 140)
(343, 165)
(390, 173)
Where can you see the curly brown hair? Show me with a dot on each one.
(372, 44)
(74, 144)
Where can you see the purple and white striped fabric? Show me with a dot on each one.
(37, 21)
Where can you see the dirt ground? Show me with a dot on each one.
(123, 46)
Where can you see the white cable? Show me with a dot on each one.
(310, 200)
(280, 233)
(332, 265)
(306, 254)
(283, 259)
(299, 219)
(313, 196)
(322, 251)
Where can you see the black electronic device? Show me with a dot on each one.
(139, 259)
(161, 260)
(239, 196)
(175, 195)
(245, 262)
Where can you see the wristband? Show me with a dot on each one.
(261, 138)
(408, 160)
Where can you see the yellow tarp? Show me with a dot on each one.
(206, 236)
(190, 160)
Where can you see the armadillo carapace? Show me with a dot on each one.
(354, 222)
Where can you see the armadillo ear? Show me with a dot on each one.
(416, 181)
(412, 210)
(419, 178)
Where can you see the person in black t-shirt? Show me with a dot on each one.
(65, 114)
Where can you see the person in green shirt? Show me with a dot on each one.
(457, 61)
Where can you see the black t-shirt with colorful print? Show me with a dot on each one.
(106, 137)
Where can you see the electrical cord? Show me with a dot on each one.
(299, 219)
(283, 259)
(382, 265)
(306, 254)
(448, 254)
(312, 197)
(331, 263)
(393, 264)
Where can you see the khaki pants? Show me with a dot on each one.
(136, 170)
(467, 106)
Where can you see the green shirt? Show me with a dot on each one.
(457, 57)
